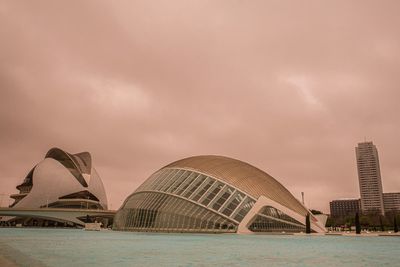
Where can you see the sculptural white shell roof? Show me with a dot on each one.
(58, 176)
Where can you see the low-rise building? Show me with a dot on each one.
(391, 201)
(345, 207)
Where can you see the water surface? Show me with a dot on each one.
(73, 247)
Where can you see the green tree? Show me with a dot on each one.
(358, 225)
(365, 221)
(349, 221)
(381, 224)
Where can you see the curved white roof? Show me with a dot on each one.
(61, 174)
(244, 176)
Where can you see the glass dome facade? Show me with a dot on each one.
(183, 197)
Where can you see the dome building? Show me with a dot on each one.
(213, 194)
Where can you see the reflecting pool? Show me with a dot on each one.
(73, 247)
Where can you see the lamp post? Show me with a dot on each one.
(308, 224)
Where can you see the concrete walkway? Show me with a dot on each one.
(4, 262)
(10, 257)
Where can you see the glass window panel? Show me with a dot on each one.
(169, 180)
(223, 197)
(175, 179)
(209, 223)
(181, 180)
(244, 209)
(263, 224)
(147, 183)
(178, 207)
(170, 210)
(273, 212)
(152, 211)
(217, 186)
(193, 186)
(206, 185)
(233, 203)
(161, 212)
(158, 177)
(186, 183)
(163, 179)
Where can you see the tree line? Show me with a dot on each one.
(370, 222)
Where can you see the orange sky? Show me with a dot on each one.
(288, 86)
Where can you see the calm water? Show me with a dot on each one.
(72, 247)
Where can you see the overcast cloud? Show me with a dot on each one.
(288, 86)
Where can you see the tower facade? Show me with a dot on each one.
(369, 176)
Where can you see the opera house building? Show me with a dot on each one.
(213, 194)
(61, 181)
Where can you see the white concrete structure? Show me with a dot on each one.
(317, 225)
(213, 194)
(62, 180)
(57, 214)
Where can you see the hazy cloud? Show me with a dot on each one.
(288, 86)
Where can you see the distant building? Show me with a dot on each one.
(369, 176)
(391, 202)
(344, 207)
(372, 197)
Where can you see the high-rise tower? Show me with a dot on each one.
(369, 176)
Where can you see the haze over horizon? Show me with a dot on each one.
(288, 87)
